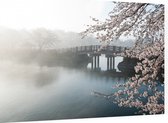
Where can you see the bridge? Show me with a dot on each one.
(95, 51)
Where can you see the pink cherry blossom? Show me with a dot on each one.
(145, 22)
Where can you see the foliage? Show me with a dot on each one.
(43, 38)
(144, 22)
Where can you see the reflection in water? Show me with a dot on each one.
(45, 77)
(30, 92)
(28, 74)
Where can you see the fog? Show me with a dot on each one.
(42, 38)
(37, 83)
(47, 39)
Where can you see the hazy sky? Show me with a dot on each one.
(68, 15)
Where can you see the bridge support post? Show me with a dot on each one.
(95, 62)
(107, 63)
(92, 63)
(98, 61)
(113, 62)
(110, 63)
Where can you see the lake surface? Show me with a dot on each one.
(30, 93)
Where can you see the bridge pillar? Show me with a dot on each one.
(92, 63)
(110, 63)
(113, 62)
(95, 61)
(107, 63)
(98, 61)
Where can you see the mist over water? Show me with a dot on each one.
(38, 83)
(31, 92)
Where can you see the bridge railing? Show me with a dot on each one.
(94, 49)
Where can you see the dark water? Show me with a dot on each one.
(30, 93)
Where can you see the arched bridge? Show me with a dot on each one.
(95, 51)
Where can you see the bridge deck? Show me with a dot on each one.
(95, 49)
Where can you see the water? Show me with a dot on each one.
(30, 93)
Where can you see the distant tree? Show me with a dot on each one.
(43, 38)
(145, 22)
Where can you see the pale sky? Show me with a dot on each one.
(68, 15)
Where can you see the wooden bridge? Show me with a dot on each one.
(95, 51)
